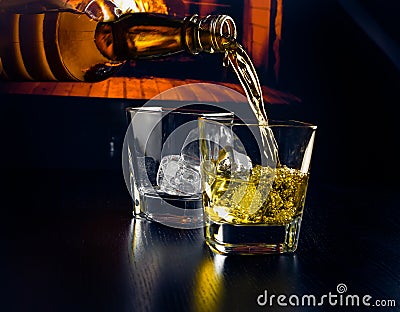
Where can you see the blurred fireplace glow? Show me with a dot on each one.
(109, 10)
(259, 26)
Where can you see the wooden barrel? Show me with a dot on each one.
(56, 46)
(32, 47)
(13, 66)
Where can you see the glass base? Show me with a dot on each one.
(224, 238)
(172, 211)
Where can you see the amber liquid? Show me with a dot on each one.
(243, 67)
(239, 60)
(269, 196)
(260, 213)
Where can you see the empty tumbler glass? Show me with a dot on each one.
(163, 161)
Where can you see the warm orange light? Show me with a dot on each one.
(156, 6)
(108, 10)
(108, 14)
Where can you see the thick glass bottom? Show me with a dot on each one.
(172, 211)
(225, 238)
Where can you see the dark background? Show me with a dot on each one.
(343, 61)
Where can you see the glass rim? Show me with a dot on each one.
(178, 110)
(271, 123)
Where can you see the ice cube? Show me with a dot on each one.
(174, 177)
(233, 164)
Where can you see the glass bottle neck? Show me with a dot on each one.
(211, 34)
(152, 35)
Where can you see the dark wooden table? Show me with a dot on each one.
(69, 243)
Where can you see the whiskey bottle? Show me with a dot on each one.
(71, 46)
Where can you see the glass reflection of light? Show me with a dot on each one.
(141, 260)
(209, 287)
(136, 238)
(163, 262)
